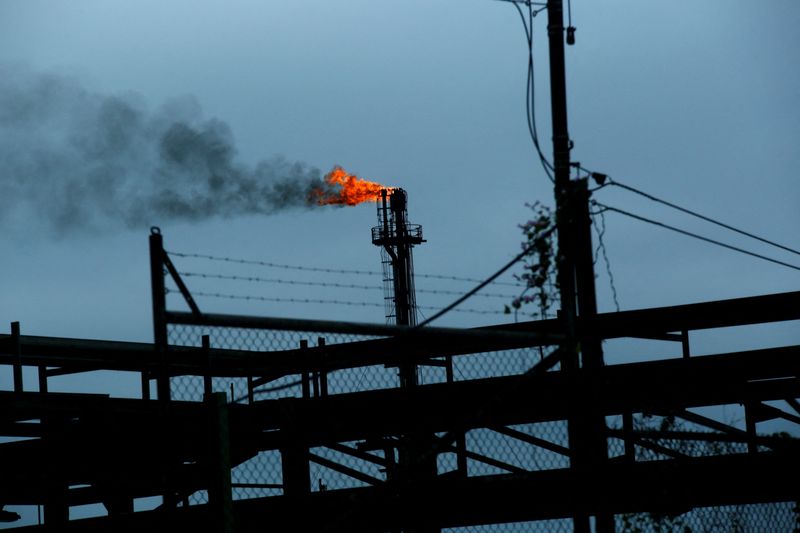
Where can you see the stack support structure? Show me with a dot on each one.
(397, 237)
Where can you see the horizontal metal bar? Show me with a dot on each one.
(658, 448)
(257, 485)
(407, 343)
(530, 439)
(794, 404)
(469, 454)
(634, 387)
(70, 356)
(704, 436)
(706, 315)
(20, 429)
(72, 369)
(350, 472)
(359, 454)
(673, 337)
(765, 412)
(661, 486)
(708, 422)
(658, 321)
(356, 328)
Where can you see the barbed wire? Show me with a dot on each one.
(351, 303)
(327, 270)
(270, 264)
(258, 279)
(468, 280)
(279, 281)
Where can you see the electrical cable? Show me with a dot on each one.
(569, 13)
(606, 181)
(694, 235)
(601, 249)
(530, 90)
(483, 284)
(634, 190)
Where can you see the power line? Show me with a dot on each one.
(634, 190)
(601, 249)
(458, 293)
(694, 235)
(530, 89)
(483, 284)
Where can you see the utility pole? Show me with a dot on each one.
(586, 429)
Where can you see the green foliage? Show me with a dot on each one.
(539, 263)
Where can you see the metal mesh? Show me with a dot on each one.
(779, 517)
(773, 517)
(527, 447)
(190, 388)
(330, 469)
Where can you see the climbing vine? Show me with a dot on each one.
(539, 263)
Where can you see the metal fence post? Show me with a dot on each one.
(159, 297)
(305, 379)
(207, 385)
(220, 494)
(323, 372)
(295, 465)
(18, 383)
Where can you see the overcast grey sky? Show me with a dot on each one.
(695, 102)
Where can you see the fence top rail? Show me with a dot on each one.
(69, 355)
(734, 312)
(537, 338)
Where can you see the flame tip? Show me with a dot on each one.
(343, 188)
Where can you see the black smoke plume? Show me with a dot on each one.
(76, 159)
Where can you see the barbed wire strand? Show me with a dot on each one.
(258, 279)
(351, 303)
(269, 264)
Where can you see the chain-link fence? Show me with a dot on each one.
(677, 438)
(483, 451)
(753, 518)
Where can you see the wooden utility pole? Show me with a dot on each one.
(576, 283)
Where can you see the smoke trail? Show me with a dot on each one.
(77, 160)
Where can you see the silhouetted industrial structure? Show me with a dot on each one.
(92, 448)
(267, 424)
(397, 238)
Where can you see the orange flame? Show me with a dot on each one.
(346, 189)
